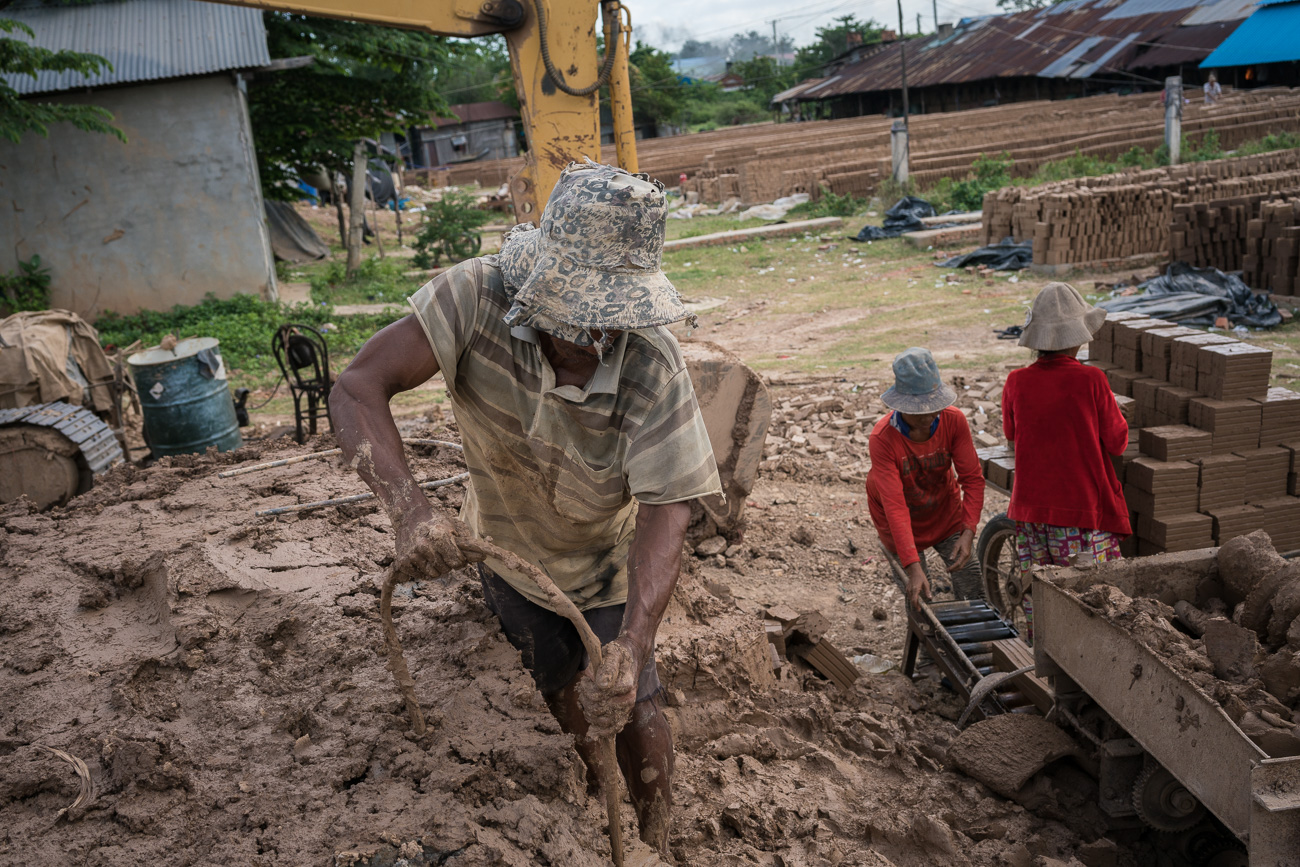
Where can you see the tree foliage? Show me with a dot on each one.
(17, 115)
(365, 80)
(833, 40)
(658, 96)
(477, 70)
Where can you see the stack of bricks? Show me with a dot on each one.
(1118, 216)
(1271, 262)
(1217, 448)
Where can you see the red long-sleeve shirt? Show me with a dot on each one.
(912, 492)
(1064, 420)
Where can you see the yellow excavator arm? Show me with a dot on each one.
(554, 62)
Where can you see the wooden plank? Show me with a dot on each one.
(827, 659)
(1010, 654)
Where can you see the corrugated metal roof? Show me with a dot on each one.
(1224, 10)
(145, 40)
(797, 90)
(1183, 45)
(1271, 35)
(1077, 38)
(1134, 8)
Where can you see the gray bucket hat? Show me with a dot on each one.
(918, 389)
(595, 260)
(1060, 319)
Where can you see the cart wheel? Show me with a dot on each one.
(997, 554)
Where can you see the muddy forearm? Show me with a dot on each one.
(371, 444)
(653, 565)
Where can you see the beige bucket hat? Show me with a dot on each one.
(595, 260)
(1059, 319)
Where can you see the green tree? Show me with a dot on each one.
(365, 80)
(477, 70)
(764, 77)
(747, 46)
(696, 48)
(833, 40)
(17, 115)
(658, 96)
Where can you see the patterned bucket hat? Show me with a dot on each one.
(595, 260)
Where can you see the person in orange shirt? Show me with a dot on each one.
(916, 499)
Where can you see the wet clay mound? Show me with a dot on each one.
(222, 678)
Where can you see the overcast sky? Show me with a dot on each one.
(666, 24)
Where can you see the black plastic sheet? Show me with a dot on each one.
(1004, 256)
(1199, 296)
(904, 216)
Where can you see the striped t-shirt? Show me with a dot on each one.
(556, 472)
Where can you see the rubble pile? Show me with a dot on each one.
(823, 428)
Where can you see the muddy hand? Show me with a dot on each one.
(918, 585)
(426, 548)
(608, 694)
(961, 552)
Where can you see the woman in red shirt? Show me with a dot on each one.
(912, 492)
(1066, 501)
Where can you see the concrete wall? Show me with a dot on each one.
(170, 216)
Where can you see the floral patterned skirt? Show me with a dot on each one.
(1046, 545)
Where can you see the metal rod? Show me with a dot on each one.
(284, 462)
(357, 498)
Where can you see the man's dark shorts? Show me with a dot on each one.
(549, 644)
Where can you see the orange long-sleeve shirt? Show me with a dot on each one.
(912, 492)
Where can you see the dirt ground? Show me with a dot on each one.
(222, 677)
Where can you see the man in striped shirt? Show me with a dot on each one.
(584, 442)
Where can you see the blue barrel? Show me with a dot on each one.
(185, 398)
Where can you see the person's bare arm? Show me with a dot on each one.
(654, 564)
(395, 359)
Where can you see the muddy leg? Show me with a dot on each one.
(645, 753)
(645, 756)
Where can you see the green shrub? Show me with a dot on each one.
(1279, 141)
(376, 281)
(28, 288)
(829, 205)
(987, 174)
(449, 229)
(245, 325)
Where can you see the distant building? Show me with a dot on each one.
(1073, 48)
(472, 131)
(1265, 50)
(176, 212)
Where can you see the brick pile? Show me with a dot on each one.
(1213, 460)
(1258, 235)
(1205, 463)
(1086, 220)
(762, 162)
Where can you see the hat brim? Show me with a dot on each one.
(584, 296)
(919, 404)
(1055, 336)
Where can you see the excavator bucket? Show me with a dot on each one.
(737, 410)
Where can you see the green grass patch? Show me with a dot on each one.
(245, 325)
(377, 281)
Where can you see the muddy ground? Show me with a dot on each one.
(222, 677)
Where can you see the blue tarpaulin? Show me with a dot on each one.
(1270, 35)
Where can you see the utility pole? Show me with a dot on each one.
(776, 51)
(935, 6)
(898, 133)
(1173, 116)
(918, 24)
